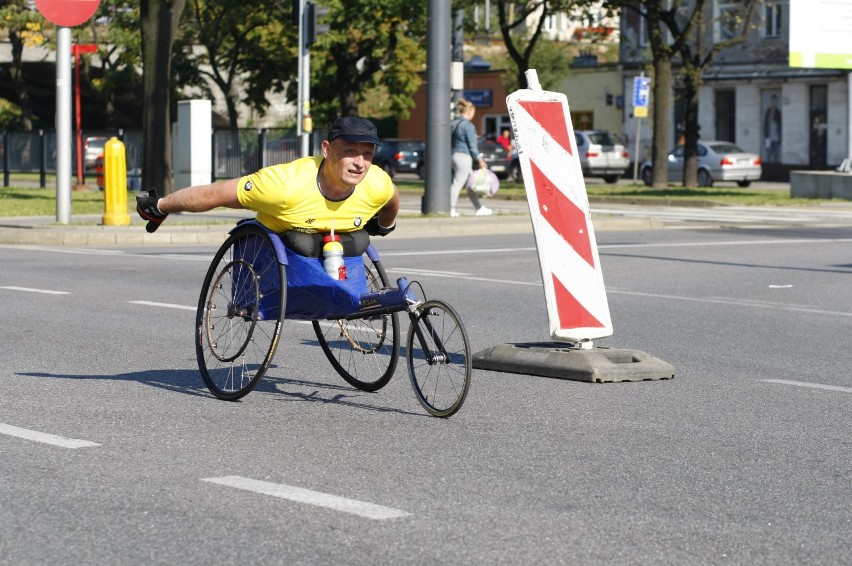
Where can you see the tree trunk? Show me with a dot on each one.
(661, 101)
(692, 84)
(19, 84)
(159, 25)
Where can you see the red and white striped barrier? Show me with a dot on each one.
(562, 223)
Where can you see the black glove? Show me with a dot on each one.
(374, 229)
(146, 207)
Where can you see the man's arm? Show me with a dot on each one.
(202, 198)
(384, 222)
(387, 214)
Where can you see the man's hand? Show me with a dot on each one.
(146, 207)
(373, 227)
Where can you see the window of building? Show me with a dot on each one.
(583, 119)
(772, 19)
(727, 18)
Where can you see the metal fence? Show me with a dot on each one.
(234, 152)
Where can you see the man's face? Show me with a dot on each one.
(348, 161)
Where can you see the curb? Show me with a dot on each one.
(213, 234)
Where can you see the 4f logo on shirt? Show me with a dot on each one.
(310, 220)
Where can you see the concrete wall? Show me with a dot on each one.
(820, 184)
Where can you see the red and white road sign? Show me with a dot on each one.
(562, 223)
(67, 13)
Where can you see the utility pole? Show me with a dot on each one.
(436, 198)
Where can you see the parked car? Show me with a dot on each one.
(93, 147)
(602, 154)
(494, 155)
(717, 161)
(399, 155)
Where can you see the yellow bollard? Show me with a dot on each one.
(115, 184)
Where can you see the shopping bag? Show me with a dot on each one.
(483, 182)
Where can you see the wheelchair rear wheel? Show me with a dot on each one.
(364, 351)
(240, 311)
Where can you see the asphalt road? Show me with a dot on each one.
(113, 452)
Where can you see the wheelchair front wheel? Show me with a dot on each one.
(239, 315)
(439, 362)
(364, 351)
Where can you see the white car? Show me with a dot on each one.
(602, 154)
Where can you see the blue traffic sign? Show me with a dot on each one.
(641, 91)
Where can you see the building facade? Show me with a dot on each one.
(795, 118)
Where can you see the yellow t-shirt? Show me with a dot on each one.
(286, 197)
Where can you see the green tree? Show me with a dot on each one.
(522, 42)
(663, 51)
(368, 43)
(119, 54)
(250, 49)
(159, 19)
(23, 26)
(696, 56)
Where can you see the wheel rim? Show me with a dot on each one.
(247, 313)
(238, 321)
(364, 351)
(441, 376)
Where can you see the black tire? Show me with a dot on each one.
(610, 179)
(388, 168)
(515, 172)
(239, 315)
(704, 178)
(364, 351)
(743, 183)
(441, 376)
(648, 176)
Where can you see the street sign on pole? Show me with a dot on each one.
(641, 96)
(67, 13)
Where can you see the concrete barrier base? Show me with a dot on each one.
(820, 184)
(562, 361)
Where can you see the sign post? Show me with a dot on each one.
(641, 96)
(571, 272)
(65, 14)
(77, 50)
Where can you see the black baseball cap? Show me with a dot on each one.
(354, 129)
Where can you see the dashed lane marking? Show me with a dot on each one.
(31, 290)
(44, 437)
(810, 385)
(317, 498)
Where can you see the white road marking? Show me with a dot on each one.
(44, 437)
(31, 290)
(300, 495)
(811, 385)
(165, 305)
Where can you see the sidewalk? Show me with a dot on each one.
(211, 228)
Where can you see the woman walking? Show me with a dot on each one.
(465, 150)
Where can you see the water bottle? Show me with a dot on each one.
(332, 252)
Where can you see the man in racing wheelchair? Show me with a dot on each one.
(306, 198)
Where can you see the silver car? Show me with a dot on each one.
(717, 161)
(602, 154)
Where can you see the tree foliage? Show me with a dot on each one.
(115, 30)
(249, 48)
(24, 27)
(521, 41)
(369, 43)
